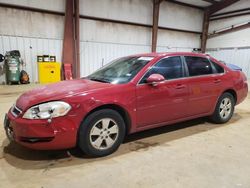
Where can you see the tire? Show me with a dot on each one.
(101, 133)
(224, 109)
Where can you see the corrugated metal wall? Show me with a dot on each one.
(29, 49)
(174, 49)
(237, 56)
(93, 54)
(35, 33)
(232, 47)
(102, 42)
(96, 54)
(31, 33)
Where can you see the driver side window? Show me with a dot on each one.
(170, 68)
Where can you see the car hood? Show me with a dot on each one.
(58, 91)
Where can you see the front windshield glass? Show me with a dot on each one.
(120, 71)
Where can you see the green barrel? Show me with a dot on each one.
(12, 69)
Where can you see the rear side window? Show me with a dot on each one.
(218, 68)
(198, 66)
(170, 68)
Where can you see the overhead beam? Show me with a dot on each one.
(230, 30)
(230, 12)
(211, 1)
(220, 5)
(156, 10)
(230, 16)
(185, 4)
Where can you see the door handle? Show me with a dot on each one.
(180, 86)
(216, 81)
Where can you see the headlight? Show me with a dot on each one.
(47, 110)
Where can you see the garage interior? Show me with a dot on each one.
(87, 34)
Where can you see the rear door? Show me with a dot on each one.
(204, 85)
(168, 100)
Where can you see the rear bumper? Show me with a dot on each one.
(61, 133)
(242, 92)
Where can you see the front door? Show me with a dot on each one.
(166, 101)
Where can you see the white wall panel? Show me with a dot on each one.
(111, 32)
(15, 22)
(237, 56)
(102, 42)
(31, 33)
(173, 49)
(180, 17)
(29, 49)
(56, 5)
(226, 23)
(232, 47)
(235, 39)
(139, 11)
(96, 54)
(37, 34)
(172, 39)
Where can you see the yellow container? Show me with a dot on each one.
(49, 72)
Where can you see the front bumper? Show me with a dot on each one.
(60, 133)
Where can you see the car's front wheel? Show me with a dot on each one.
(224, 108)
(101, 133)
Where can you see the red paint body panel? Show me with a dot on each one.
(165, 102)
(147, 106)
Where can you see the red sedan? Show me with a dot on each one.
(128, 95)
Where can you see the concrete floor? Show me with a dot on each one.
(190, 154)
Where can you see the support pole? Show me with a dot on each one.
(71, 40)
(77, 38)
(204, 31)
(68, 56)
(156, 8)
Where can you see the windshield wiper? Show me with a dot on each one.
(99, 80)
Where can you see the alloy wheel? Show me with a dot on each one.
(104, 134)
(225, 108)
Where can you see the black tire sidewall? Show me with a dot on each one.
(216, 116)
(89, 122)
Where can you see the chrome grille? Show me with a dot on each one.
(16, 111)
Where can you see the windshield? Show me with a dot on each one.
(121, 70)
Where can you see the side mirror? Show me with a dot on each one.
(154, 79)
(1, 58)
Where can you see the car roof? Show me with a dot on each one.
(163, 54)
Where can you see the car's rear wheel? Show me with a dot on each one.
(101, 133)
(224, 108)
